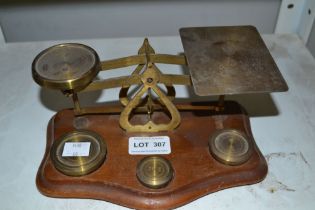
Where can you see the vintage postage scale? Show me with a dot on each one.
(147, 151)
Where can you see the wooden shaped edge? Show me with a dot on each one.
(128, 198)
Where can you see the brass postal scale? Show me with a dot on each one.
(148, 151)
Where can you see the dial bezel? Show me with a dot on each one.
(74, 84)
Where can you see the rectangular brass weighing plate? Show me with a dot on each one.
(230, 60)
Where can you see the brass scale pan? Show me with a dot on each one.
(66, 67)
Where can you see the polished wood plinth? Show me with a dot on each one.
(196, 172)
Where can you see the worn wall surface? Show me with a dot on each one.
(33, 20)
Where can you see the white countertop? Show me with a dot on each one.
(283, 125)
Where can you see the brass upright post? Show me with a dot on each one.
(75, 99)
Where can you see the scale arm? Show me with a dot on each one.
(172, 79)
(142, 59)
(123, 62)
(169, 59)
(113, 83)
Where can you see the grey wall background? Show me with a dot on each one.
(98, 19)
(35, 20)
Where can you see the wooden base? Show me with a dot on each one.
(196, 172)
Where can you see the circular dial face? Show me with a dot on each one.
(154, 172)
(61, 65)
(78, 165)
(230, 147)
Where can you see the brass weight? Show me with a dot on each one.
(230, 146)
(154, 172)
(79, 165)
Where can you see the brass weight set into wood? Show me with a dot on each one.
(221, 60)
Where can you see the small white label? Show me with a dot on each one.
(76, 149)
(149, 145)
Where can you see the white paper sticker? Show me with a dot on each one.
(76, 149)
(149, 145)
